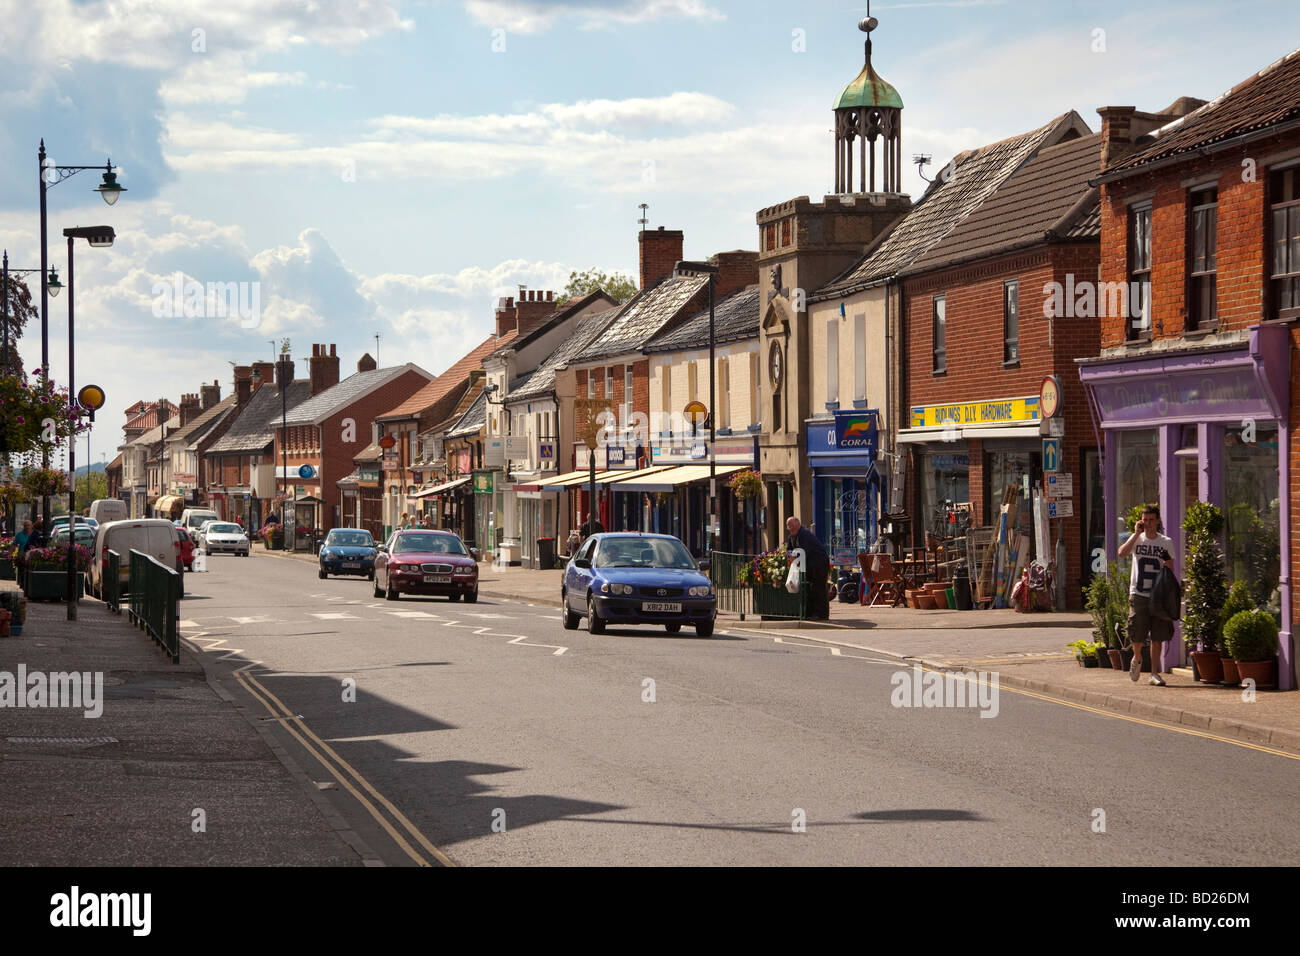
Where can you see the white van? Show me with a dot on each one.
(105, 510)
(193, 518)
(156, 537)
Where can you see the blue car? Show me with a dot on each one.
(348, 551)
(633, 578)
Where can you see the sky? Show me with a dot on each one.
(391, 168)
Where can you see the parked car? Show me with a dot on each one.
(422, 561)
(63, 520)
(85, 535)
(104, 510)
(193, 518)
(155, 537)
(219, 536)
(187, 547)
(637, 579)
(348, 551)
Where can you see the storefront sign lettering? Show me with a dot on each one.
(1000, 411)
(1231, 391)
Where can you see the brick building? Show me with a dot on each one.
(1200, 249)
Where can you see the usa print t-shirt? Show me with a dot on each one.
(1148, 559)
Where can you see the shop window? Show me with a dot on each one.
(1138, 321)
(1094, 511)
(939, 334)
(1137, 469)
(1007, 470)
(1202, 270)
(1253, 512)
(832, 362)
(1011, 321)
(944, 481)
(1284, 282)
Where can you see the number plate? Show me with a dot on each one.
(662, 607)
(352, 564)
(437, 579)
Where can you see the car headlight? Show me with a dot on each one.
(613, 587)
(702, 590)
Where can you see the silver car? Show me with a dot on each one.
(218, 536)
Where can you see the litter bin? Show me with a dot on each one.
(961, 590)
(546, 553)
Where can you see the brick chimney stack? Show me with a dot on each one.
(366, 363)
(660, 251)
(243, 384)
(284, 372)
(736, 269)
(324, 368)
(266, 371)
(209, 395)
(190, 408)
(530, 314)
(1123, 126)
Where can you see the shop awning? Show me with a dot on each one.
(439, 489)
(168, 502)
(569, 478)
(670, 479)
(913, 436)
(611, 477)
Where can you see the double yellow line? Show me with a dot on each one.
(333, 763)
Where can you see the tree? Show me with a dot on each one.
(92, 487)
(617, 286)
(21, 308)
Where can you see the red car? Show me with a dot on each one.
(187, 548)
(426, 562)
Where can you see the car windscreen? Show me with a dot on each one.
(643, 553)
(349, 539)
(216, 528)
(429, 543)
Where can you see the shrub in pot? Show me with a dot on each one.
(1239, 599)
(1251, 637)
(1106, 599)
(1206, 589)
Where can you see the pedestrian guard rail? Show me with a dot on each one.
(155, 593)
(739, 591)
(111, 583)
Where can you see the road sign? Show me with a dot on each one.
(1060, 509)
(1060, 485)
(546, 451)
(1056, 427)
(1051, 454)
(1049, 397)
(695, 412)
(306, 471)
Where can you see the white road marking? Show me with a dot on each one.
(414, 614)
(521, 640)
(507, 617)
(187, 624)
(260, 619)
(337, 617)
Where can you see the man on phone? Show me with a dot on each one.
(1151, 551)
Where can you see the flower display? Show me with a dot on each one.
(770, 568)
(746, 483)
(40, 482)
(37, 417)
(57, 556)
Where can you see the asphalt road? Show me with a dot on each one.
(471, 737)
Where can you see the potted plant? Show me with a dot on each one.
(1239, 599)
(8, 552)
(1251, 637)
(1106, 599)
(1085, 652)
(766, 574)
(46, 574)
(1207, 589)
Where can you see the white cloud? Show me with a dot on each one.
(534, 16)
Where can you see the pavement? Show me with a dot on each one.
(1027, 650)
(171, 772)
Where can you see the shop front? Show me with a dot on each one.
(682, 509)
(846, 486)
(1210, 425)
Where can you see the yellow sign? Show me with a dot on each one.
(1000, 411)
(695, 411)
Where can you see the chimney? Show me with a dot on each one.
(1123, 126)
(660, 251)
(266, 371)
(243, 384)
(505, 315)
(736, 269)
(530, 314)
(210, 394)
(324, 368)
(284, 372)
(366, 364)
(190, 408)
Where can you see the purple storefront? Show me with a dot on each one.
(1204, 423)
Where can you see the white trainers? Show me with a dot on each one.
(1135, 667)
(1156, 681)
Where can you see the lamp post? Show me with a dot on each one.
(53, 285)
(707, 269)
(98, 237)
(285, 544)
(48, 176)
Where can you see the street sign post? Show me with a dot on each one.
(1060, 509)
(1059, 485)
(1051, 454)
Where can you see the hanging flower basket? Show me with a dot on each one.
(43, 482)
(746, 484)
(10, 494)
(37, 417)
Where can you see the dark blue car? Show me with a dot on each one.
(637, 579)
(348, 551)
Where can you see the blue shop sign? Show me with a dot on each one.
(851, 439)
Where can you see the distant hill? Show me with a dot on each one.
(97, 467)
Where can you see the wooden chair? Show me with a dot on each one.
(884, 583)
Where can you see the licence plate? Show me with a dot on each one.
(352, 564)
(437, 579)
(662, 607)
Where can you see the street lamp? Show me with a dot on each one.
(99, 237)
(706, 269)
(91, 397)
(54, 287)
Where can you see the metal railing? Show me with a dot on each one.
(738, 593)
(155, 602)
(110, 584)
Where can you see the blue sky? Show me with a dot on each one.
(390, 167)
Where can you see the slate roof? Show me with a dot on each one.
(372, 452)
(1047, 199)
(946, 204)
(643, 317)
(251, 430)
(562, 313)
(734, 318)
(1267, 99)
(338, 397)
(149, 417)
(448, 381)
(199, 426)
(473, 420)
(542, 379)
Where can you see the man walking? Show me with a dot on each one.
(818, 565)
(1151, 551)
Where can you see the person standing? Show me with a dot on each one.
(23, 538)
(592, 526)
(37, 538)
(818, 565)
(1151, 551)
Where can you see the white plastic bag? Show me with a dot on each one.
(793, 579)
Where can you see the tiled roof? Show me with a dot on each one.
(1269, 98)
(734, 318)
(945, 205)
(1047, 198)
(198, 426)
(475, 418)
(643, 317)
(149, 417)
(251, 431)
(340, 396)
(154, 435)
(455, 377)
(542, 380)
(115, 463)
(565, 311)
(371, 452)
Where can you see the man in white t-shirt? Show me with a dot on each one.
(1151, 551)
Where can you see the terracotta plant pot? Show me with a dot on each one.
(1230, 675)
(1264, 673)
(1208, 666)
(926, 601)
(912, 595)
(1116, 659)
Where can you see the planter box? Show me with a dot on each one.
(777, 602)
(7, 572)
(52, 585)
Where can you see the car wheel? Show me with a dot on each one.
(704, 629)
(378, 592)
(321, 574)
(455, 596)
(371, 575)
(472, 597)
(569, 619)
(391, 593)
(594, 624)
(672, 628)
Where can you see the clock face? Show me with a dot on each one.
(774, 365)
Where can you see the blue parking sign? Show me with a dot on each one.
(1051, 454)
